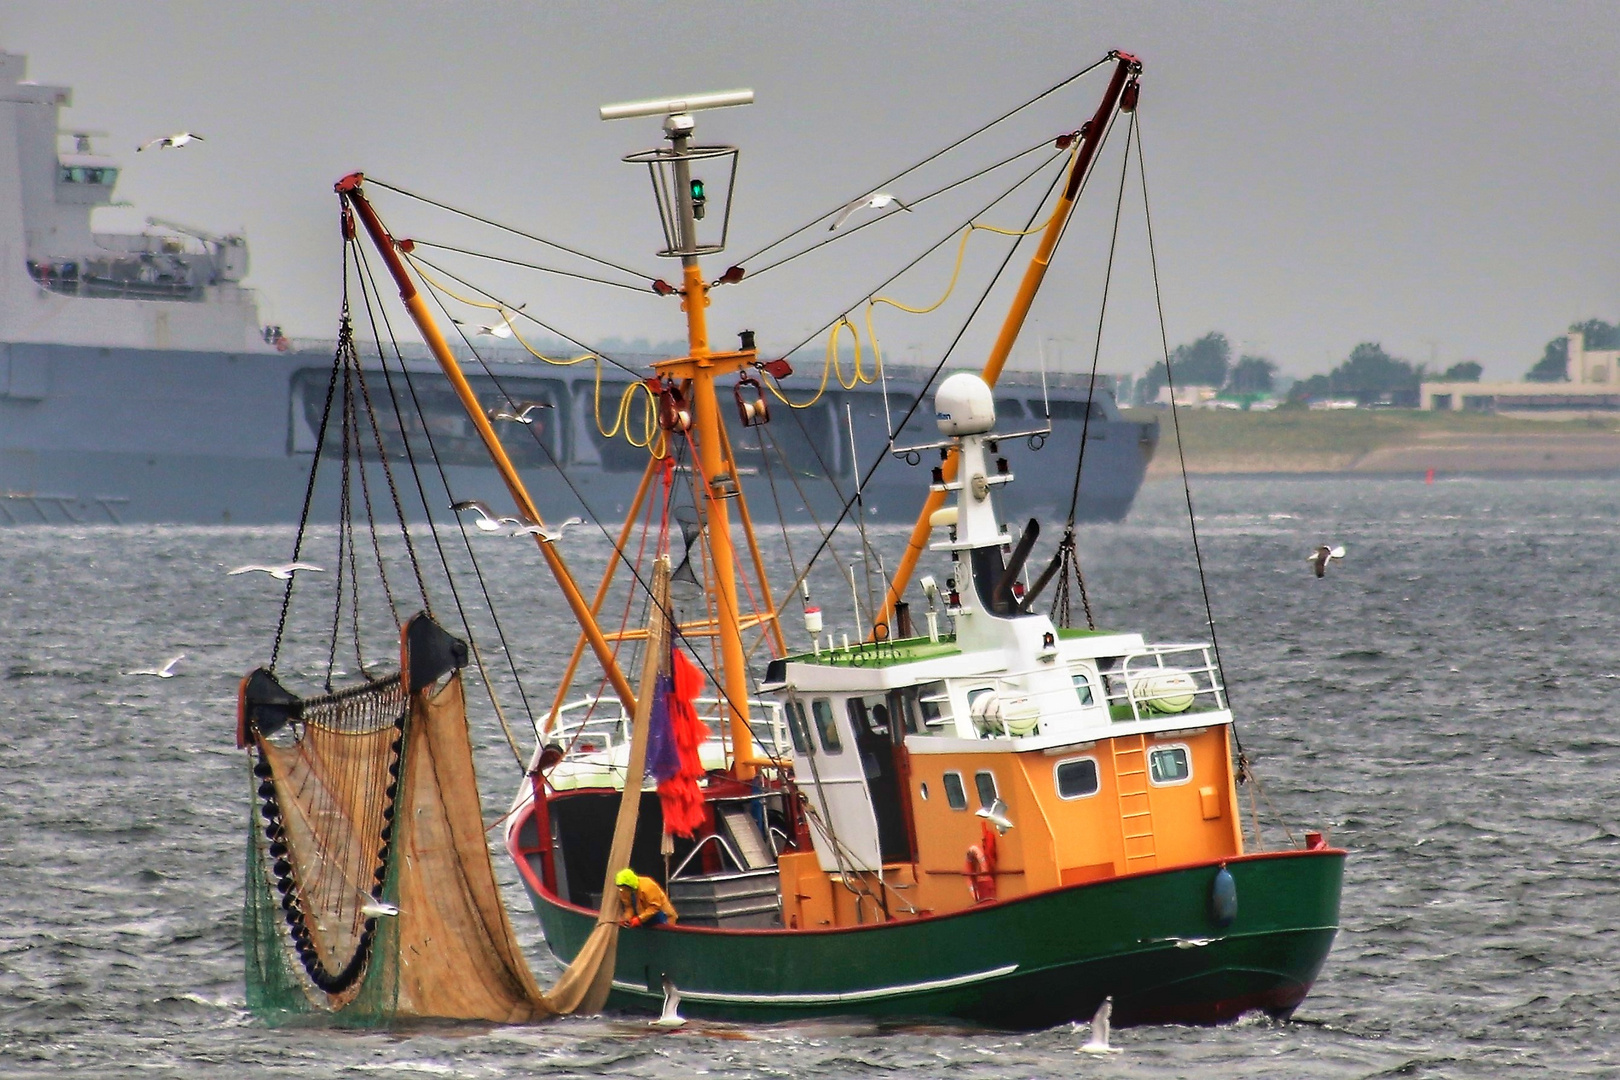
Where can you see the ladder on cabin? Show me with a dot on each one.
(1135, 807)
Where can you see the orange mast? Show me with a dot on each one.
(1122, 85)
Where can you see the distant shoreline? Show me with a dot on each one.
(1382, 443)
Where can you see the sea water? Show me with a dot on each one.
(1440, 704)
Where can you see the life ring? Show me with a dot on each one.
(981, 878)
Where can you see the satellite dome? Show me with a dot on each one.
(963, 405)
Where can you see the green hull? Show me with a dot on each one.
(1149, 940)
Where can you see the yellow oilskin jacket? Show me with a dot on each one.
(646, 901)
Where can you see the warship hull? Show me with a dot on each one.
(93, 435)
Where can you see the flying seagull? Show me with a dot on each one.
(525, 411)
(281, 572)
(1323, 555)
(171, 142)
(487, 520)
(378, 909)
(164, 672)
(875, 201)
(547, 536)
(1098, 1043)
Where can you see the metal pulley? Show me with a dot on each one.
(674, 411)
(752, 407)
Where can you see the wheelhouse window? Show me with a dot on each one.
(985, 782)
(1076, 778)
(1082, 687)
(826, 727)
(955, 793)
(1169, 765)
(798, 728)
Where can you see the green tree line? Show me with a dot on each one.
(1368, 375)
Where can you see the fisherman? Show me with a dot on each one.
(641, 901)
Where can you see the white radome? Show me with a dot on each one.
(963, 405)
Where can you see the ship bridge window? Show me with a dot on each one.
(955, 793)
(826, 727)
(1076, 778)
(798, 728)
(1169, 765)
(1075, 410)
(1009, 409)
(985, 782)
(1082, 686)
(86, 174)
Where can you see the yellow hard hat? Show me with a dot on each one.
(627, 878)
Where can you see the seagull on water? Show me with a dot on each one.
(1323, 555)
(1098, 1043)
(164, 672)
(171, 142)
(875, 201)
(525, 411)
(280, 572)
(487, 519)
(547, 536)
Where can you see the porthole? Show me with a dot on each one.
(1169, 765)
(1076, 778)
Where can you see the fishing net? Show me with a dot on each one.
(370, 892)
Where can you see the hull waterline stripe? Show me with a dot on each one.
(874, 994)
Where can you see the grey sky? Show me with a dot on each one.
(1430, 176)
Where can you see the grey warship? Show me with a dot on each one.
(137, 383)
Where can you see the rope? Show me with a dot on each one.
(621, 420)
(419, 242)
(943, 360)
(914, 203)
(345, 340)
(941, 242)
(936, 155)
(1181, 451)
(443, 556)
(637, 274)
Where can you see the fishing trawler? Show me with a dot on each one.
(991, 813)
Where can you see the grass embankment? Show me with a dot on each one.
(1381, 441)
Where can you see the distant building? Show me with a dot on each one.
(1189, 396)
(1593, 387)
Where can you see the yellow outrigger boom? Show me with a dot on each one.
(1122, 92)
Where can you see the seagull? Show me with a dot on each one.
(281, 572)
(525, 409)
(487, 521)
(1323, 555)
(164, 672)
(1098, 1043)
(876, 201)
(378, 908)
(671, 1016)
(547, 536)
(171, 142)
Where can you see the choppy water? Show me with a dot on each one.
(1441, 702)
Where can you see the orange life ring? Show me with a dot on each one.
(981, 878)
